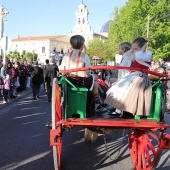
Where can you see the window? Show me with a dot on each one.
(62, 51)
(43, 49)
(79, 21)
(33, 51)
(83, 20)
(16, 45)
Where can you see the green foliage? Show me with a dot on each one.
(99, 47)
(160, 29)
(25, 55)
(14, 55)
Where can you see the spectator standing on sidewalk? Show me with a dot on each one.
(36, 80)
(22, 76)
(14, 77)
(50, 73)
(27, 81)
(6, 88)
(44, 73)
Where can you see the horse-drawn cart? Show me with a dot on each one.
(146, 135)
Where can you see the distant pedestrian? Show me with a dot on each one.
(22, 76)
(15, 74)
(44, 73)
(50, 73)
(6, 88)
(36, 80)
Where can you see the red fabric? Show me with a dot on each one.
(137, 65)
(102, 83)
(155, 69)
(14, 72)
(26, 71)
(1, 81)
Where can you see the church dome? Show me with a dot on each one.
(106, 26)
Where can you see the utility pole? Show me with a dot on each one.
(148, 24)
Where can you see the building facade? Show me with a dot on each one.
(42, 45)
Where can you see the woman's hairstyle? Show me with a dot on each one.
(140, 41)
(35, 63)
(8, 65)
(125, 45)
(18, 63)
(77, 41)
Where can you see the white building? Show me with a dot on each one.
(42, 45)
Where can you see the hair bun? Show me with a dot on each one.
(146, 40)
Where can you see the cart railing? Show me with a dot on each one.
(65, 72)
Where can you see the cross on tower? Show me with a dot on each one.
(3, 14)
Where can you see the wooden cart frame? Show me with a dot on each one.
(142, 133)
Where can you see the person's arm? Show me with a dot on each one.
(87, 61)
(143, 56)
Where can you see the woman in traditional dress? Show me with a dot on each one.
(132, 93)
(77, 58)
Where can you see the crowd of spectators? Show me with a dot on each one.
(18, 76)
(17, 73)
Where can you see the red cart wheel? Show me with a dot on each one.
(56, 118)
(145, 148)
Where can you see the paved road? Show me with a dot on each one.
(24, 143)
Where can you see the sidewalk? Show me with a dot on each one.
(19, 96)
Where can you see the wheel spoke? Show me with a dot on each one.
(143, 155)
(147, 154)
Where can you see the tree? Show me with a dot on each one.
(160, 28)
(25, 55)
(99, 47)
(14, 55)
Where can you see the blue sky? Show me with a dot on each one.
(52, 17)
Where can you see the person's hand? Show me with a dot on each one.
(146, 39)
(144, 47)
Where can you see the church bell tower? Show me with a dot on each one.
(82, 26)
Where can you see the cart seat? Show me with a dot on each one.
(157, 101)
(76, 102)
